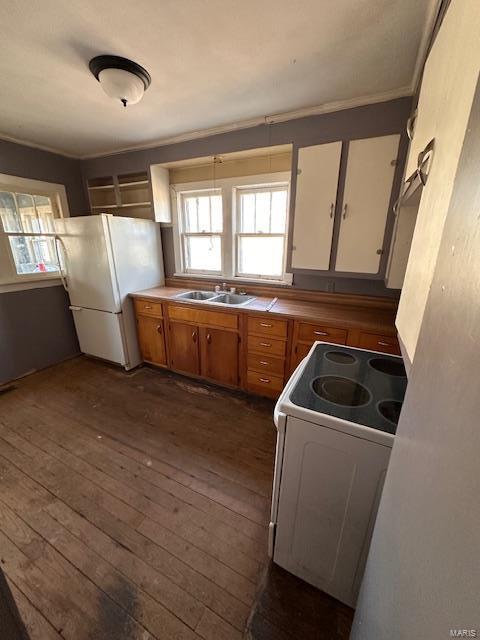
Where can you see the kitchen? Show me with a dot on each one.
(250, 300)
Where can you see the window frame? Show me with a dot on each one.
(184, 234)
(228, 188)
(238, 192)
(10, 280)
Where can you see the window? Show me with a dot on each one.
(202, 230)
(27, 231)
(26, 221)
(260, 239)
(237, 230)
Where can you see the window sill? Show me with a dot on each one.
(287, 282)
(34, 283)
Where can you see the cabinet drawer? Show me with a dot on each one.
(265, 384)
(312, 332)
(376, 342)
(266, 345)
(265, 364)
(267, 327)
(202, 316)
(148, 308)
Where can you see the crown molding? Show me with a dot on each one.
(329, 107)
(40, 147)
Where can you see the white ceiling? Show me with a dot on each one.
(212, 62)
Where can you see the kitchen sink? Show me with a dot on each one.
(228, 299)
(197, 295)
(232, 299)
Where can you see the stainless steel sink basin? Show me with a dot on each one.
(197, 295)
(232, 299)
(228, 299)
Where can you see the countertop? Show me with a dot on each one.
(369, 319)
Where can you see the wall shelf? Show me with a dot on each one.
(126, 195)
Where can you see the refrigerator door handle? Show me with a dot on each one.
(60, 269)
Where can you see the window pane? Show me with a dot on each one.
(191, 214)
(28, 214)
(33, 254)
(217, 216)
(203, 253)
(262, 212)
(279, 211)
(8, 212)
(45, 214)
(260, 256)
(247, 213)
(203, 214)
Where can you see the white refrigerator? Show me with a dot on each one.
(103, 259)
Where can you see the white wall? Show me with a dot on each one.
(445, 99)
(423, 571)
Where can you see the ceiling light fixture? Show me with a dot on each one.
(120, 78)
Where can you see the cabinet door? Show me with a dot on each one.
(330, 487)
(316, 194)
(183, 345)
(299, 352)
(219, 351)
(368, 186)
(151, 339)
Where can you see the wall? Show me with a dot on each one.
(422, 577)
(446, 94)
(362, 122)
(36, 326)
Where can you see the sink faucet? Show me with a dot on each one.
(224, 287)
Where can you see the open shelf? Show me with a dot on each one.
(126, 194)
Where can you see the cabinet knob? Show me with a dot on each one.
(344, 214)
(147, 306)
(265, 324)
(159, 328)
(265, 344)
(209, 338)
(266, 380)
(194, 336)
(321, 333)
(332, 210)
(383, 344)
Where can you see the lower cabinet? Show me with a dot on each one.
(183, 345)
(219, 355)
(206, 343)
(151, 339)
(209, 352)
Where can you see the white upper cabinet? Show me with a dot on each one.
(368, 186)
(316, 194)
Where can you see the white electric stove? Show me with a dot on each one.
(336, 422)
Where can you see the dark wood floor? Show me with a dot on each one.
(134, 506)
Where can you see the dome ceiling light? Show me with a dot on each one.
(120, 78)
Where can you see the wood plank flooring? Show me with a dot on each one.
(133, 505)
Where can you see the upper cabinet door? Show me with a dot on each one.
(316, 194)
(368, 186)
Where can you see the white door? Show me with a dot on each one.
(100, 334)
(330, 487)
(368, 187)
(88, 262)
(316, 194)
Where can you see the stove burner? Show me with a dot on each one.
(390, 410)
(341, 391)
(390, 367)
(340, 357)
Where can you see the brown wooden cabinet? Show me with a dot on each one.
(205, 341)
(151, 338)
(219, 355)
(183, 346)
